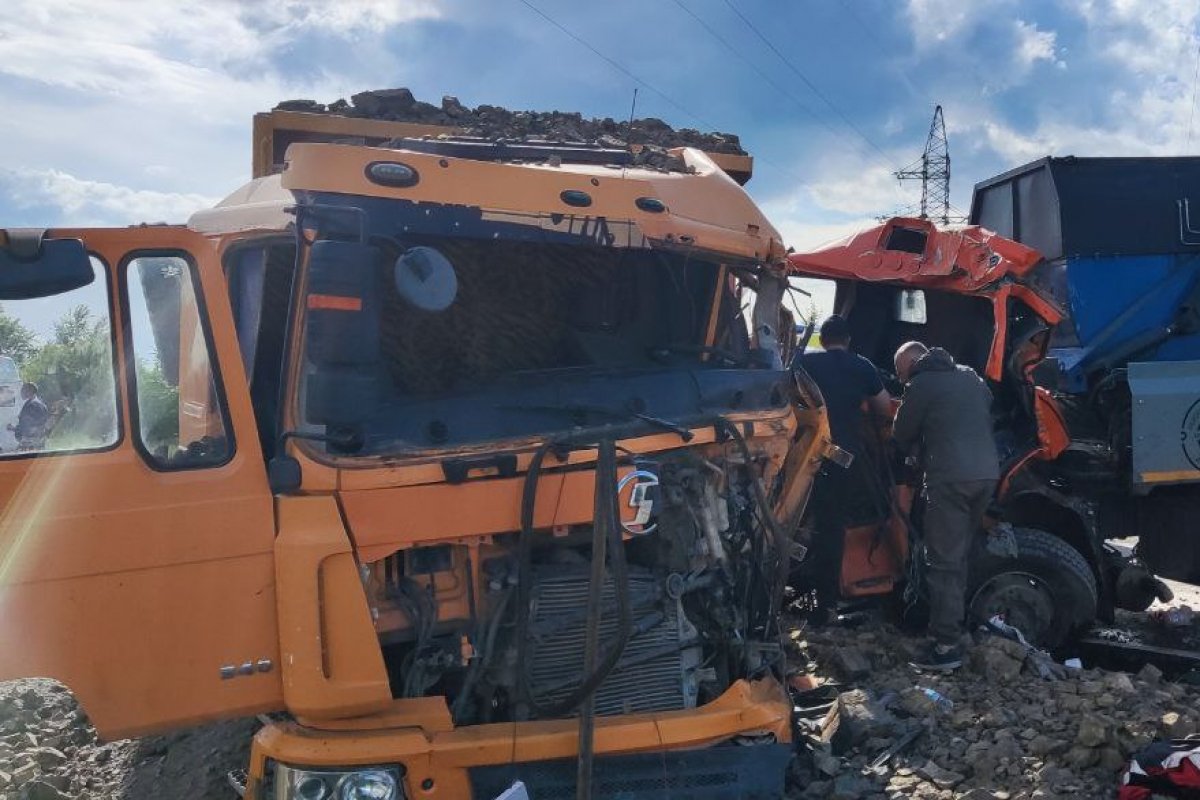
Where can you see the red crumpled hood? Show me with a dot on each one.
(964, 259)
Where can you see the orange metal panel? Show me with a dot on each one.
(332, 664)
(121, 581)
(444, 512)
(960, 259)
(706, 210)
(443, 757)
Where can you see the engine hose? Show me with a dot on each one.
(782, 543)
(606, 487)
(591, 636)
(606, 491)
(480, 664)
(525, 566)
(606, 535)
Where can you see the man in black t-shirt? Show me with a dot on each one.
(846, 381)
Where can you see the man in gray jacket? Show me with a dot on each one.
(946, 413)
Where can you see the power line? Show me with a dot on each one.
(848, 7)
(742, 57)
(807, 82)
(627, 73)
(617, 66)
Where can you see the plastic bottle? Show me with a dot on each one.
(943, 703)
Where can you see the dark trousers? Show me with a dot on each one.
(953, 515)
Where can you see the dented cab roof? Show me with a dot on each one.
(698, 208)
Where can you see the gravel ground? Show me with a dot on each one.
(1010, 735)
(49, 751)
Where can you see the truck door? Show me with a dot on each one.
(136, 526)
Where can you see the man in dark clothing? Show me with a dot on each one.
(846, 381)
(30, 430)
(946, 413)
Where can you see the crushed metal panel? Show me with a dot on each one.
(1166, 422)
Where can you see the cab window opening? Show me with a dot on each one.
(57, 371)
(180, 419)
(259, 277)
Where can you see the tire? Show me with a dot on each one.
(1048, 591)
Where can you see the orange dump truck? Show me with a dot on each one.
(462, 456)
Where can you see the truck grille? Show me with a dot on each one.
(655, 671)
(713, 773)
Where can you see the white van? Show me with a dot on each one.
(10, 402)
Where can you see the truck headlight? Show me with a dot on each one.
(370, 783)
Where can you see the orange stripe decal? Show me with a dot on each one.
(333, 302)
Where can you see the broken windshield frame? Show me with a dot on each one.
(522, 330)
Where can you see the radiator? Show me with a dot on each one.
(655, 673)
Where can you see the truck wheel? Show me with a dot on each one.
(1048, 592)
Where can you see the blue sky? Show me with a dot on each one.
(139, 110)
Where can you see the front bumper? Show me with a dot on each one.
(636, 754)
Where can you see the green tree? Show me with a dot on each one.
(158, 407)
(16, 340)
(74, 372)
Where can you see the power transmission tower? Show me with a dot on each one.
(932, 169)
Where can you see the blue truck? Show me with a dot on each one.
(1121, 256)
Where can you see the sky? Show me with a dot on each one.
(126, 111)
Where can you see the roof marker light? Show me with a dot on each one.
(574, 197)
(651, 204)
(392, 173)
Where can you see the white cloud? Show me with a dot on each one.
(856, 190)
(1155, 41)
(95, 203)
(938, 21)
(160, 94)
(205, 56)
(1033, 45)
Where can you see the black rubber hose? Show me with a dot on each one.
(591, 636)
(607, 518)
(525, 566)
(480, 664)
(616, 554)
(781, 542)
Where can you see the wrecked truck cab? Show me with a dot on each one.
(488, 473)
(500, 372)
(976, 300)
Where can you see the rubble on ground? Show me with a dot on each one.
(1010, 735)
(49, 751)
(494, 122)
(1018, 729)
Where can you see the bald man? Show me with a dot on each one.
(945, 414)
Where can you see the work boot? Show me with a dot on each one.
(940, 657)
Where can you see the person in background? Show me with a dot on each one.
(30, 430)
(847, 381)
(945, 413)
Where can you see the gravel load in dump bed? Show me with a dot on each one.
(1010, 735)
(494, 122)
(49, 751)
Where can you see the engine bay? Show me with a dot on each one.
(682, 608)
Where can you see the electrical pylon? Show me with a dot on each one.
(932, 169)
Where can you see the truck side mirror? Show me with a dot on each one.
(32, 266)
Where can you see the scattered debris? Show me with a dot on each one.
(1178, 617)
(1014, 732)
(49, 751)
